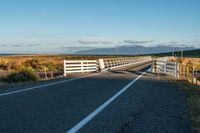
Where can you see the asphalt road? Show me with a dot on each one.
(147, 105)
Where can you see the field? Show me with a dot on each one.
(40, 64)
(187, 60)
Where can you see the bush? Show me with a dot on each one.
(3, 67)
(21, 76)
(34, 63)
(30, 69)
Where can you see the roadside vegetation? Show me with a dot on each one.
(193, 103)
(23, 68)
(40, 62)
(21, 76)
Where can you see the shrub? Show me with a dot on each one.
(21, 76)
(15, 65)
(30, 69)
(34, 63)
(59, 67)
(3, 67)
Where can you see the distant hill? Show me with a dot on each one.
(132, 50)
(6, 54)
(187, 53)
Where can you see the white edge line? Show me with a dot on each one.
(83, 122)
(36, 87)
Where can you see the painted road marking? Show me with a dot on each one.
(83, 122)
(45, 85)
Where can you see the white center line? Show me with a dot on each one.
(83, 122)
(45, 85)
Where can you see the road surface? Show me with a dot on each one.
(144, 104)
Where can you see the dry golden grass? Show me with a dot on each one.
(193, 61)
(40, 62)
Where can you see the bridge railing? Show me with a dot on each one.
(165, 66)
(79, 66)
(179, 70)
(111, 63)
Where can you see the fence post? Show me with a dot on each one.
(196, 76)
(193, 77)
(181, 71)
(187, 71)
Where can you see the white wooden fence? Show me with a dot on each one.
(164, 66)
(78, 66)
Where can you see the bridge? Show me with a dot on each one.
(122, 95)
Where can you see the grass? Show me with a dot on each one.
(21, 76)
(40, 63)
(193, 103)
(11, 85)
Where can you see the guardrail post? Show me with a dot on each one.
(176, 70)
(101, 64)
(165, 69)
(64, 68)
(154, 66)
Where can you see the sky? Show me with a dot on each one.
(66, 26)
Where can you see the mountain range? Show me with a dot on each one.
(133, 50)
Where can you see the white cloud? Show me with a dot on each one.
(137, 42)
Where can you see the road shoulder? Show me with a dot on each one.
(192, 101)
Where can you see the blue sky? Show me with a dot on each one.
(54, 26)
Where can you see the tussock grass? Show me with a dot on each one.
(41, 63)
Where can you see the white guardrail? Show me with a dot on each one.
(165, 66)
(111, 63)
(79, 66)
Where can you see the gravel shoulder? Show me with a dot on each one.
(192, 100)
